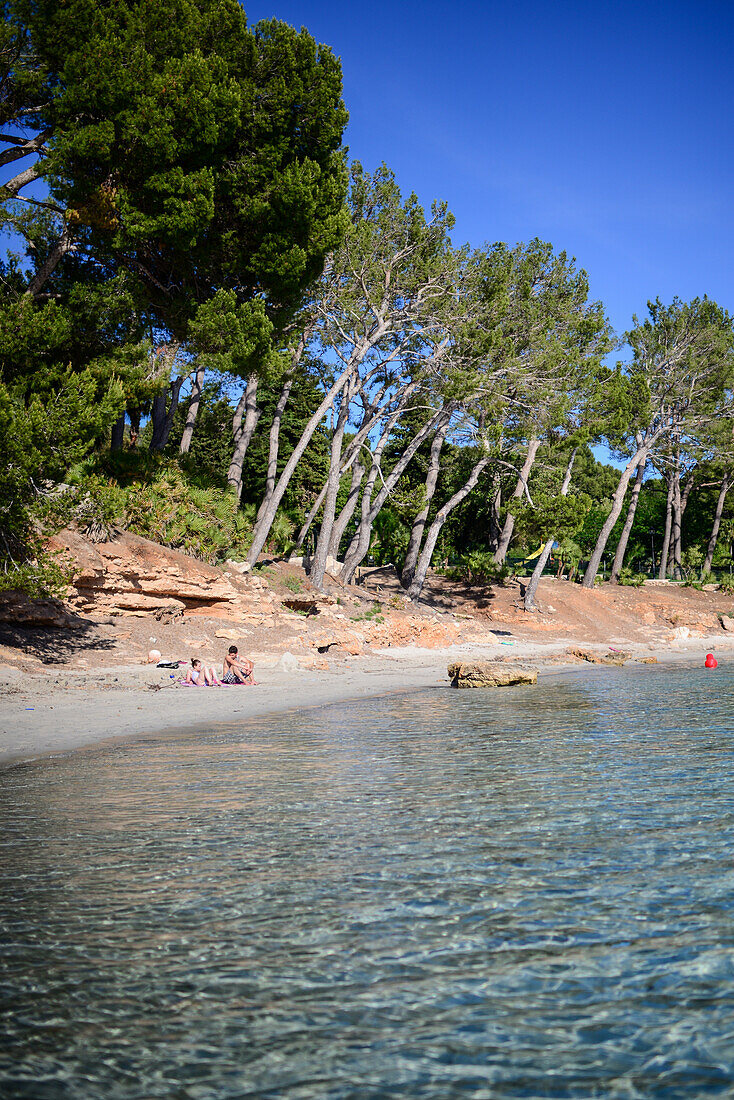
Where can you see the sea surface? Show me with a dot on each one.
(516, 893)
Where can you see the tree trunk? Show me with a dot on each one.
(668, 526)
(265, 521)
(318, 565)
(721, 500)
(494, 513)
(679, 502)
(434, 530)
(361, 541)
(624, 537)
(188, 432)
(419, 523)
(529, 600)
(244, 423)
(274, 445)
(162, 417)
(617, 503)
(675, 531)
(118, 433)
(65, 244)
(340, 524)
(504, 540)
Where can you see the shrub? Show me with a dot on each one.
(630, 579)
(726, 583)
(477, 567)
(205, 523)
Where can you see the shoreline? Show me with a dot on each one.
(52, 713)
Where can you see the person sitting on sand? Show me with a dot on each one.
(201, 676)
(237, 670)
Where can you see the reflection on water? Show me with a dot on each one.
(518, 894)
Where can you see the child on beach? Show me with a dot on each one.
(201, 676)
(238, 670)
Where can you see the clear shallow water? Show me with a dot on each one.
(527, 893)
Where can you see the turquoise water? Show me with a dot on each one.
(524, 893)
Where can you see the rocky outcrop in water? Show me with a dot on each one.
(484, 674)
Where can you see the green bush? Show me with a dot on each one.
(726, 583)
(630, 579)
(478, 567)
(205, 523)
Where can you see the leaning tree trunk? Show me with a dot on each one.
(662, 572)
(372, 415)
(360, 543)
(244, 423)
(265, 521)
(617, 503)
(118, 433)
(274, 445)
(529, 599)
(424, 561)
(624, 537)
(188, 432)
(504, 541)
(725, 486)
(341, 523)
(318, 565)
(419, 523)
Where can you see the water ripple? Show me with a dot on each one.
(520, 894)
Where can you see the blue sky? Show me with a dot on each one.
(606, 128)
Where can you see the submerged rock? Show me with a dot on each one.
(478, 674)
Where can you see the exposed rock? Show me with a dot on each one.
(19, 609)
(405, 630)
(131, 575)
(727, 622)
(613, 657)
(232, 635)
(478, 674)
(342, 641)
(240, 567)
(311, 605)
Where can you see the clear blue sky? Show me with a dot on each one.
(604, 127)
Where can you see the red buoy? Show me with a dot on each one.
(711, 661)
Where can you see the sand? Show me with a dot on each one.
(49, 713)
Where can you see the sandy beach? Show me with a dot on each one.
(47, 713)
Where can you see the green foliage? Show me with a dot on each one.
(280, 539)
(726, 583)
(631, 579)
(195, 151)
(691, 561)
(293, 583)
(569, 554)
(205, 523)
(374, 615)
(477, 567)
